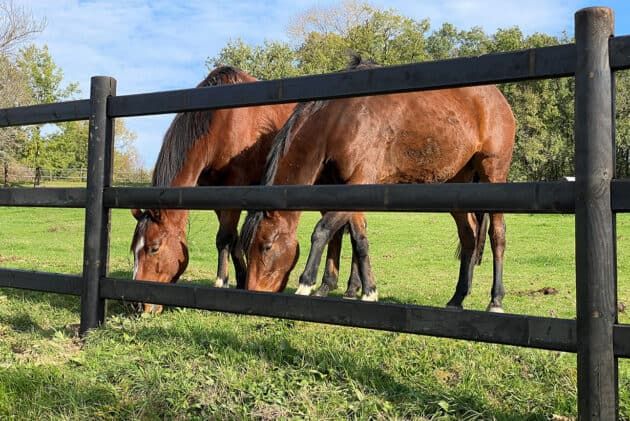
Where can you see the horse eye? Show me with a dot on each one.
(154, 249)
(267, 246)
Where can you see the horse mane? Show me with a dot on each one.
(282, 142)
(187, 128)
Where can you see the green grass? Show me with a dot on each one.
(193, 364)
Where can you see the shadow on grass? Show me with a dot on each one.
(30, 392)
(340, 368)
(23, 322)
(69, 302)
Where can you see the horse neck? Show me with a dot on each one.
(177, 218)
(199, 156)
(301, 165)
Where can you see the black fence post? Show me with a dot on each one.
(97, 218)
(594, 220)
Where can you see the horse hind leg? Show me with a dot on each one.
(466, 230)
(493, 168)
(497, 241)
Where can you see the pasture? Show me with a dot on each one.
(196, 364)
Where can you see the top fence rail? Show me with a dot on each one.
(536, 63)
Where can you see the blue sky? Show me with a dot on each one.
(154, 45)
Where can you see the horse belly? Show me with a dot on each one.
(427, 160)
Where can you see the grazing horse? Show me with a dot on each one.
(447, 135)
(215, 147)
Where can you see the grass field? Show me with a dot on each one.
(187, 364)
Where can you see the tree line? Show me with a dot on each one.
(29, 75)
(321, 39)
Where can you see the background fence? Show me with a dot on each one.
(595, 197)
(22, 176)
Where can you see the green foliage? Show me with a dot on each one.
(44, 76)
(273, 60)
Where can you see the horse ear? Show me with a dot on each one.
(270, 213)
(137, 213)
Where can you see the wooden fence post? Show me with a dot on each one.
(97, 218)
(594, 220)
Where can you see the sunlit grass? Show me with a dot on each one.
(196, 364)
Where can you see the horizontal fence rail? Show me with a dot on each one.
(508, 197)
(619, 50)
(549, 197)
(508, 329)
(545, 62)
(41, 281)
(53, 197)
(45, 113)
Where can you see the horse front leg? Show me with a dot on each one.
(331, 270)
(324, 231)
(354, 280)
(360, 249)
(226, 241)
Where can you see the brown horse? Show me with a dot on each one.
(448, 135)
(215, 147)
(220, 147)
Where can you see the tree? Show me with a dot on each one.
(272, 60)
(44, 76)
(16, 26)
(44, 79)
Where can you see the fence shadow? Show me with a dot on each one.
(276, 350)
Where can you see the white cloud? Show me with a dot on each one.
(160, 45)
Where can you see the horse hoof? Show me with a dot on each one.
(221, 283)
(370, 296)
(321, 292)
(494, 309)
(349, 297)
(303, 290)
(454, 307)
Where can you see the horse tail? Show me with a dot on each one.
(483, 220)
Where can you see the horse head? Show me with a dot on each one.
(270, 243)
(159, 249)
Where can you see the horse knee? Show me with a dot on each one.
(361, 246)
(320, 235)
(497, 236)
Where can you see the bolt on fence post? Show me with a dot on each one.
(594, 220)
(97, 218)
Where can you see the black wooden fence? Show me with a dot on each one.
(595, 198)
